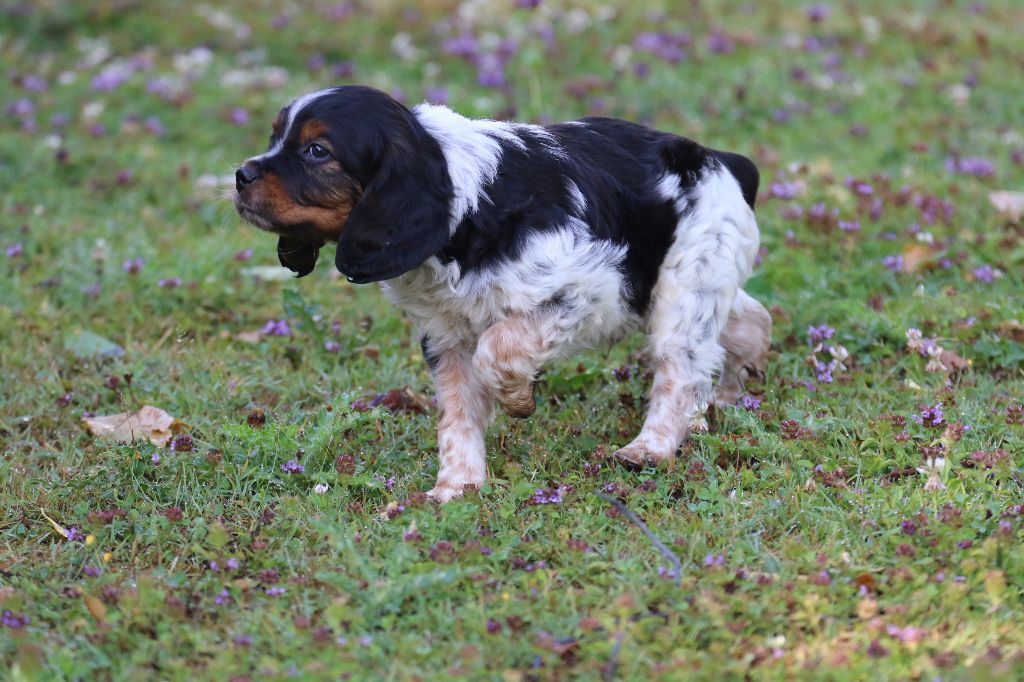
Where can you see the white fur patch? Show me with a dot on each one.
(579, 202)
(566, 269)
(472, 151)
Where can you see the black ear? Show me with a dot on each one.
(298, 255)
(402, 217)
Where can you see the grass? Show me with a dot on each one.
(810, 546)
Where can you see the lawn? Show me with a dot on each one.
(858, 515)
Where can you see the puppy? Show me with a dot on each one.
(511, 245)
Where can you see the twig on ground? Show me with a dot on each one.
(608, 670)
(665, 551)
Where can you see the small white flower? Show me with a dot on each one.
(913, 339)
(321, 488)
(935, 352)
(933, 469)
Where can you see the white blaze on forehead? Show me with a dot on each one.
(293, 111)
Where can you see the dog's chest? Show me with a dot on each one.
(558, 276)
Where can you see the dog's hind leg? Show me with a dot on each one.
(746, 338)
(712, 255)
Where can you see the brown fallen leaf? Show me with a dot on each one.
(96, 608)
(1010, 204)
(953, 362)
(396, 400)
(150, 423)
(915, 256)
(1012, 330)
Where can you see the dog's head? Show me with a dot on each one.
(353, 166)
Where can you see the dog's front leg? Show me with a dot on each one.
(466, 407)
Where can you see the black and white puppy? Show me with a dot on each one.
(511, 245)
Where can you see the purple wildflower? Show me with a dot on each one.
(155, 459)
(823, 372)
(169, 282)
(971, 165)
(232, 564)
(243, 640)
(749, 402)
(817, 12)
(849, 225)
(783, 190)
(275, 591)
(893, 263)
(223, 598)
(239, 116)
(292, 467)
(985, 274)
(438, 95)
(550, 495)
(720, 43)
(931, 415)
(820, 333)
(13, 619)
(133, 265)
(154, 126)
(92, 571)
(714, 560)
(74, 534)
(111, 78)
(34, 83)
(14, 250)
(276, 328)
(665, 572)
(332, 346)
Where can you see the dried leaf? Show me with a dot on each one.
(915, 256)
(96, 608)
(1010, 204)
(61, 530)
(1012, 330)
(250, 337)
(149, 423)
(953, 362)
(396, 400)
(87, 345)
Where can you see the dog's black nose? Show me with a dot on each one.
(245, 175)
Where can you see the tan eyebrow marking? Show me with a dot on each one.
(311, 130)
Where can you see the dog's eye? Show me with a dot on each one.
(315, 151)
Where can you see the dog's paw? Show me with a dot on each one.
(637, 455)
(442, 493)
(518, 404)
(699, 424)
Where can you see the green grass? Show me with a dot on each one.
(810, 548)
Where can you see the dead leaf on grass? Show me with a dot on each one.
(1010, 204)
(915, 256)
(395, 400)
(150, 423)
(96, 608)
(1012, 330)
(250, 337)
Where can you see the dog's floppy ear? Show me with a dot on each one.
(402, 217)
(298, 255)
